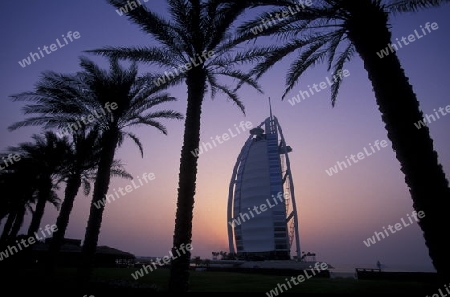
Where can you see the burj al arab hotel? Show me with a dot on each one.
(261, 214)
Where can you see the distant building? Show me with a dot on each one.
(105, 256)
(261, 214)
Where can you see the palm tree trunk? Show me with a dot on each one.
(179, 271)
(413, 147)
(18, 221)
(43, 195)
(73, 185)
(86, 264)
(10, 231)
(8, 226)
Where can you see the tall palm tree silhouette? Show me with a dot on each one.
(79, 151)
(44, 155)
(130, 100)
(79, 168)
(333, 31)
(18, 198)
(194, 47)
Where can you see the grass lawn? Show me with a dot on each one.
(203, 281)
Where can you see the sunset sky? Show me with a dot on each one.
(336, 213)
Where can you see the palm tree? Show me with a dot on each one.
(17, 196)
(129, 97)
(76, 163)
(333, 31)
(47, 153)
(78, 169)
(197, 261)
(194, 46)
(21, 196)
(44, 155)
(134, 98)
(16, 206)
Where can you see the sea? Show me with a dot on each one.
(345, 270)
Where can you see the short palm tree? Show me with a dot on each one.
(44, 154)
(79, 168)
(129, 98)
(9, 179)
(135, 99)
(333, 31)
(194, 47)
(18, 197)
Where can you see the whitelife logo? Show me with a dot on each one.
(380, 235)
(71, 127)
(300, 278)
(166, 259)
(280, 16)
(128, 189)
(263, 207)
(207, 145)
(53, 47)
(391, 48)
(378, 144)
(168, 76)
(429, 117)
(441, 294)
(11, 250)
(340, 75)
(10, 160)
(130, 6)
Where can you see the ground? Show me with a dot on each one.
(118, 281)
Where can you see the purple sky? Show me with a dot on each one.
(336, 213)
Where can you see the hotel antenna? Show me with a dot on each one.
(270, 109)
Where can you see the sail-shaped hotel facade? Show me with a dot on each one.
(262, 213)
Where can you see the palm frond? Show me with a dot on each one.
(150, 22)
(275, 54)
(93, 69)
(212, 82)
(118, 170)
(136, 141)
(247, 56)
(231, 94)
(338, 70)
(86, 187)
(332, 48)
(150, 55)
(145, 101)
(315, 52)
(241, 77)
(265, 25)
(218, 20)
(155, 124)
(413, 5)
(162, 114)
